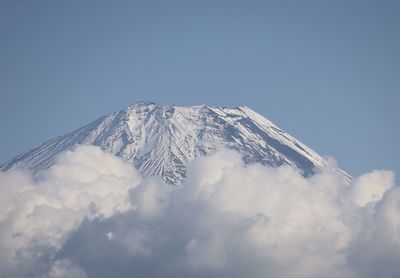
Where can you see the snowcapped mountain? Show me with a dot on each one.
(163, 140)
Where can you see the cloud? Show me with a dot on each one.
(92, 215)
(371, 187)
(65, 269)
(37, 214)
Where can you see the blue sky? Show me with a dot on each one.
(328, 72)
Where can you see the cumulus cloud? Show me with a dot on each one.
(92, 215)
(37, 214)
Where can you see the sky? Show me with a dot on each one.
(327, 72)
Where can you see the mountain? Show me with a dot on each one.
(163, 140)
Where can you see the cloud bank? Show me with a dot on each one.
(92, 215)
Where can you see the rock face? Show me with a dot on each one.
(163, 140)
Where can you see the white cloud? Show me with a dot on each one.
(95, 215)
(371, 187)
(38, 214)
(65, 269)
(110, 235)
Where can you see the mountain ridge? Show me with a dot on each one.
(163, 140)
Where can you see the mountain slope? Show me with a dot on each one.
(163, 140)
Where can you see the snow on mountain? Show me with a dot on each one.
(163, 140)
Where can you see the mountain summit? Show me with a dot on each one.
(163, 140)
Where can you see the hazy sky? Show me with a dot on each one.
(328, 72)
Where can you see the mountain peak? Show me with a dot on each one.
(141, 104)
(163, 140)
